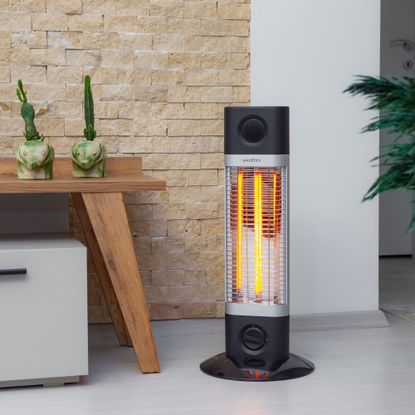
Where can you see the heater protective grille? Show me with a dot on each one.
(256, 235)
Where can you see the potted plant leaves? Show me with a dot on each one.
(395, 99)
(88, 156)
(34, 156)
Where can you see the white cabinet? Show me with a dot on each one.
(43, 313)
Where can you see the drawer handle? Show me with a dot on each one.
(13, 271)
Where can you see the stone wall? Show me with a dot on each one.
(162, 71)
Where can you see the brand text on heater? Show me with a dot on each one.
(252, 160)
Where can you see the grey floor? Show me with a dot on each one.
(397, 287)
(359, 372)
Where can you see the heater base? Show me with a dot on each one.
(221, 366)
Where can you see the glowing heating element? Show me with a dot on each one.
(256, 235)
(240, 231)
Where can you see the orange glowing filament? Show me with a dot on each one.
(277, 203)
(258, 233)
(240, 232)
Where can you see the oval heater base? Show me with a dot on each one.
(221, 366)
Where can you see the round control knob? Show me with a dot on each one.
(253, 130)
(253, 337)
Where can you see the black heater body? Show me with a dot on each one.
(256, 249)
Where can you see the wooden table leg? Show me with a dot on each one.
(103, 276)
(109, 222)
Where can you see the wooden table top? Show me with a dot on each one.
(124, 174)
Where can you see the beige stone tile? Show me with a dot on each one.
(27, 72)
(30, 39)
(86, 22)
(120, 23)
(27, 6)
(83, 57)
(117, 58)
(132, 7)
(16, 21)
(167, 8)
(64, 74)
(99, 7)
(152, 24)
(64, 6)
(49, 21)
(199, 9)
(5, 39)
(48, 56)
(234, 11)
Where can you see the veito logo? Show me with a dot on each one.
(252, 160)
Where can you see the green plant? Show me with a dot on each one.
(88, 156)
(395, 99)
(34, 156)
(89, 130)
(28, 114)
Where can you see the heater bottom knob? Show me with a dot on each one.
(253, 337)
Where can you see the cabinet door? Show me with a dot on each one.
(43, 314)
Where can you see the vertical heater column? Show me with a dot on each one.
(256, 163)
(256, 249)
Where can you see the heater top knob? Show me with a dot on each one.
(253, 130)
(253, 337)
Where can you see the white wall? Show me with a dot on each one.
(304, 53)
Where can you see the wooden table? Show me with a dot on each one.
(100, 207)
